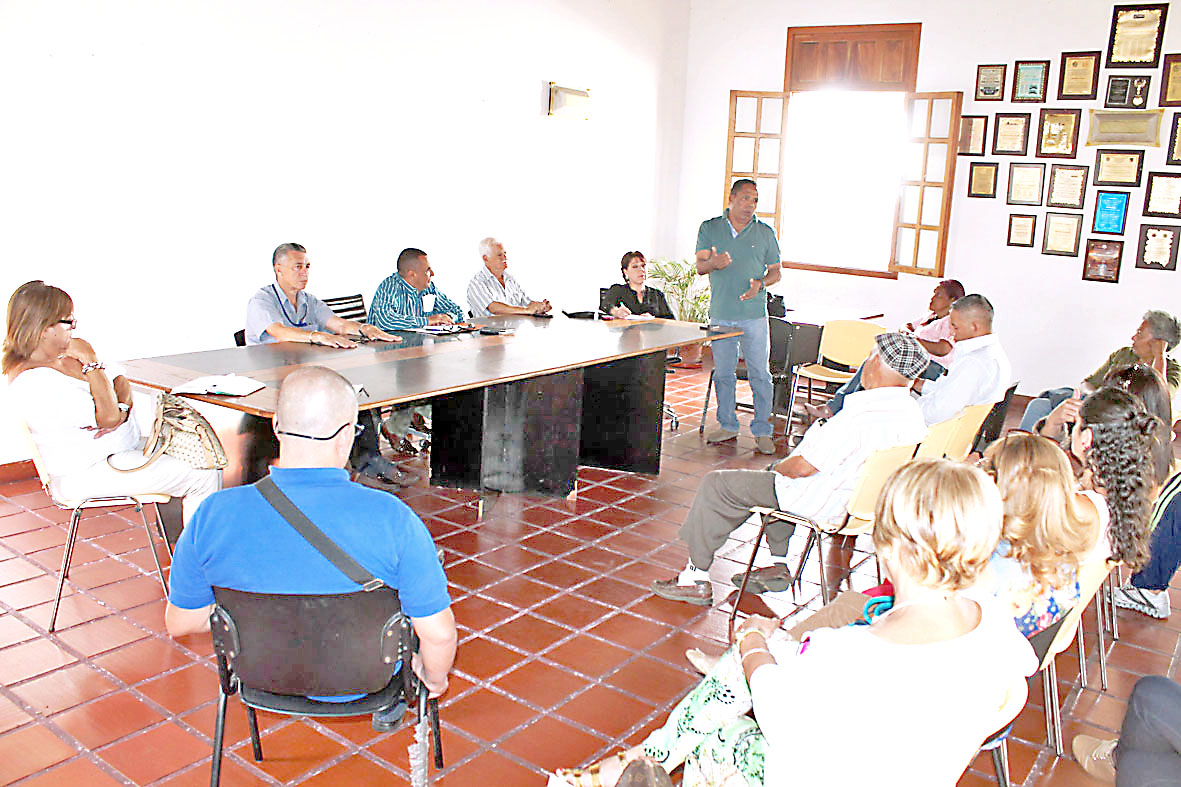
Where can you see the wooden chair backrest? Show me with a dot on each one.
(969, 422)
(848, 341)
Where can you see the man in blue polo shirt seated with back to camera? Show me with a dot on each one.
(237, 540)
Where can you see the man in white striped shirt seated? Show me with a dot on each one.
(494, 291)
(815, 481)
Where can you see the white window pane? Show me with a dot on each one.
(768, 156)
(767, 188)
(744, 155)
(821, 176)
(928, 245)
(936, 162)
(918, 118)
(932, 204)
(912, 162)
(744, 114)
(910, 205)
(904, 251)
(772, 116)
(941, 118)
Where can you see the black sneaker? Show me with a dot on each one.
(389, 719)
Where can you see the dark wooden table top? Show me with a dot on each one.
(422, 365)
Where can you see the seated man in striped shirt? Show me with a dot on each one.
(815, 481)
(408, 299)
(494, 291)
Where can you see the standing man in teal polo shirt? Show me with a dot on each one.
(741, 256)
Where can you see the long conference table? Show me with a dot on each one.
(514, 412)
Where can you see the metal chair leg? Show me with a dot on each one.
(219, 733)
(255, 741)
(797, 580)
(67, 556)
(1000, 763)
(1117, 578)
(160, 531)
(823, 569)
(745, 578)
(705, 407)
(1102, 651)
(1053, 717)
(152, 546)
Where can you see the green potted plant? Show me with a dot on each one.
(687, 293)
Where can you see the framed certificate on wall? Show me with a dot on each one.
(1102, 260)
(1029, 80)
(1158, 247)
(1115, 167)
(1078, 76)
(1025, 184)
(990, 82)
(1010, 134)
(1136, 34)
(1062, 234)
(1068, 186)
(1111, 212)
(1022, 229)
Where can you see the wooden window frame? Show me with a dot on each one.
(853, 33)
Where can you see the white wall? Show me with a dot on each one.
(155, 151)
(1056, 327)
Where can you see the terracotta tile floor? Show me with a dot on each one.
(564, 653)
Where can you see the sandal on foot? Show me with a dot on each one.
(700, 661)
(573, 777)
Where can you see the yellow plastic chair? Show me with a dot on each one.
(939, 436)
(858, 518)
(968, 424)
(77, 506)
(1091, 577)
(847, 342)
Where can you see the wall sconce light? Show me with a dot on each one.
(569, 102)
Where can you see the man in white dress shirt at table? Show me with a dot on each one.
(980, 373)
(494, 291)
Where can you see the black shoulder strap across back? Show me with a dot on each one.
(315, 536)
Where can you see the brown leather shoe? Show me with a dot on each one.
(773, 578)
(699, 593)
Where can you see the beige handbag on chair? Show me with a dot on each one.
(182, 432)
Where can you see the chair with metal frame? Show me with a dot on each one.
(348, 307)
(782, 333)
(994, 422)
(78, 506)
(278, 651)
(844, 342)
(858, 519)
(939, 436)
(969, 420)
(1091, 578)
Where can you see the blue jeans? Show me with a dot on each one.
(1164, 553)
(1039, 408)
(755, 342)
(1149, 750)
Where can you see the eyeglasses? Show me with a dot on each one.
(72, 322)
(359, 427)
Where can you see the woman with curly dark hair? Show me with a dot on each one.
(1114, 438)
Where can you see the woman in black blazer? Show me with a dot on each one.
(632, 297)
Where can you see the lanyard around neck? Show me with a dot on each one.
(294, 323)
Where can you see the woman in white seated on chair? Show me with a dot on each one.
(78, 409)
(940, 666)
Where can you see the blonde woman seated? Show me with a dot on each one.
(943, 665)
(78, 409)
(1050, 529)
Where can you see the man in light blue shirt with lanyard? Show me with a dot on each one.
(741, 256)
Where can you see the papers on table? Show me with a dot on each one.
(639, 317)
(223, 384)
(441, 328)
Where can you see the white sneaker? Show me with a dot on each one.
(1154, 603)
(1094, 755)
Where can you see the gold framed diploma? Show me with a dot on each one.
(1170, 82)
(1127, 92)
(1136, 35)
(1068, 186)
(1108, 127)
(1025, 184)
(1058, 132)
(982, 179)
(1118, 167)
(1158, 247)
(1078, 76)
(973, 135)
(1062, 234)
(1022, 229)
(1101, 262)
(1010, 134)
(990, 82)
(1029, 81)
(1173, 154)
(1162, 196)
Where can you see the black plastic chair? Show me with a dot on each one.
(240, 338)
(348, 307)
(994, 422)
(782, 373)
(277, 651)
